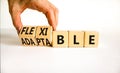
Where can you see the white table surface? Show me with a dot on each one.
(16, 58)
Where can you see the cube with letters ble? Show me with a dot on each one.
(39, 36)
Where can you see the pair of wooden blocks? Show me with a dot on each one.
(44, 36)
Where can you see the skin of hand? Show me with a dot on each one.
(16, 7)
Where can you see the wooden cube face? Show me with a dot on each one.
(91, 39)
(28, 41)
(44, 35)
(76, 38)
(60, 39)
(27, 35)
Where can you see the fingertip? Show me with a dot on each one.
(55, 27)
(19, 29)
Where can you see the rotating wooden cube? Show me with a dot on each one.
(27, 35)
(44, 35)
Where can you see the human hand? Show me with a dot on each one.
(16, 7)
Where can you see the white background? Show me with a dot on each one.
(88, 15)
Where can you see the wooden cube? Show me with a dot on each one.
(76, 38)
(91, 39)
(60, 39)
(27, 35)
(44, 35)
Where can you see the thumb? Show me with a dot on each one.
(17, 21)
